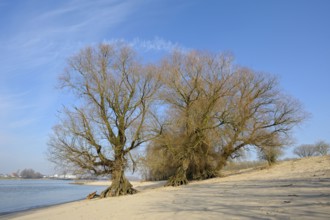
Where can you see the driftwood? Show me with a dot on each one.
(92, 195)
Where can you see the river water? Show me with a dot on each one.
(21, 195)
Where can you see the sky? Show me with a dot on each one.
(287, 38)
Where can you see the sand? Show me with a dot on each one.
(298, 189)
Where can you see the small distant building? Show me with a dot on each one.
(64, 176)
(70, 176)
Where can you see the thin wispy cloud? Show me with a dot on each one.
(22, 123)
(157, 44)
(86, 17)
(66, 23)
(11, 102)
(15, 111)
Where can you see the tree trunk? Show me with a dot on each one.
(120, 184)
(222, 162)
(180, 177)
(202, 167)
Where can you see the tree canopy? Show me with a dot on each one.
(215, 110)
(113, 116)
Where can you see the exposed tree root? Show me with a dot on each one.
(119, 187)
(92, 195)
(180, 178)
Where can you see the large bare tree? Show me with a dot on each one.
(216, 110)
(112, 116)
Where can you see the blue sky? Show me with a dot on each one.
(289, 38)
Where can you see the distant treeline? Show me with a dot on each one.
(28, 174)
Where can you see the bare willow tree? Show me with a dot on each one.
(113, 115)
(217, 110)
(322, 148)
(305, 150)
(270, 154)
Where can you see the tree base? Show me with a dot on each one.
(119, 188)
(173, 181)
(180, 178)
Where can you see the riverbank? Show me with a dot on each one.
(297, 189)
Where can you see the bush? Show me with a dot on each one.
(270, 154)
(322, 148)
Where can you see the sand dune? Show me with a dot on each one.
(297, 189)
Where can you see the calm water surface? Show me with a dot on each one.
(20, 195)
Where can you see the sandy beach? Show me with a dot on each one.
(296, 189)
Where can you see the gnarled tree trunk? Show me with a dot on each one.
(180, 176)
(120, 184)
